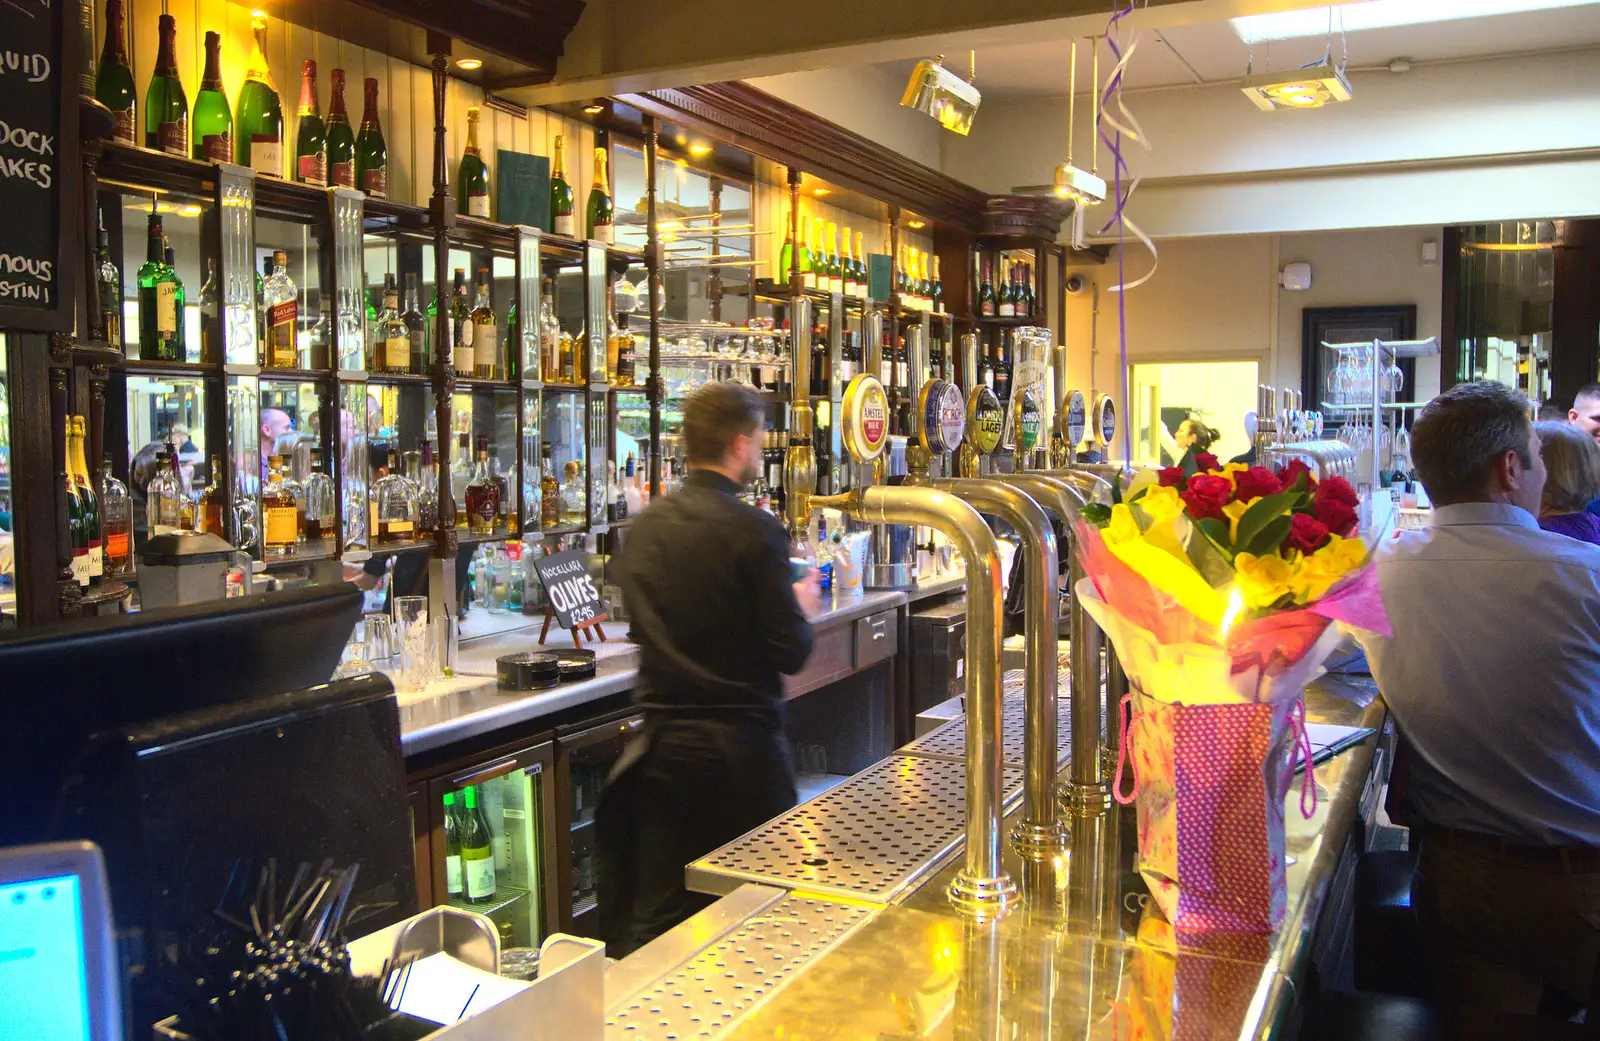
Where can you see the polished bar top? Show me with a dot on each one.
(473, 704)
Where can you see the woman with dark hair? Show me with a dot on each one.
(1194, 437)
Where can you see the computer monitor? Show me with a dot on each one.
(61, 683)
(59, 976)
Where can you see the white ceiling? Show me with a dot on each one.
(1213, 53)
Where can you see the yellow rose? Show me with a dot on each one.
(1122, 527)
(1161, 504)
(1342, 555)
(1319, 572)
(1233, 511)
(1263, 580)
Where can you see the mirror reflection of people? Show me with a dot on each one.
(1252, 423)
(275, 423)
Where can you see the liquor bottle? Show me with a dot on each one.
(613, 339)
(311, 142)
(985, 369)
(567, 346)
(261, 308)
(427, 481)
(808, 267)
(986, 301)
(502, 491)
(937, 288)
(90, 502)
(627, 360)
(320, 353)
(321, 502)
(210, 315)
(861, 263)
(211, 124)
(1005, 301)
(472, 176)
(372, 152)
(452, 846)
(116, 524)
(819, 361)
(482, 496)
(819, 255)
(600, 213)
(1029, 300)
(461, 476)
(786, 256)
(166, 107)
(108, 282)
(549, 491)
(258, 118)
(396, 508)
(113, 80)
(549, 336)
(282, 304)
(1002, 371)
(209, 515)
(574, 506)
(563, 216)
(163, 496)
(477, 852)
(418, 330)
(485, 337)
(391, 340)
(160, 302)
(461, 353)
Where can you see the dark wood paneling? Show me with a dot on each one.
(1450, 310)
(1575, 329)
(33, 499)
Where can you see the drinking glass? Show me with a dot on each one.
(411, 632)
(378, 645)
(444, 639)
(353, 661)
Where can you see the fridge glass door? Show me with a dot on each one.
(511, 803)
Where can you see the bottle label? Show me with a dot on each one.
(280, 333)
(480, 878)
(216, 148)
(464, 358)
(166, 308)
(988, 309)
(80, 566)
(452, 874)
(478, 205)
(313, 169)
(397, 352)
(398, 527)
(484, 341)
(1008, 310)
(375, 182)
(566, 224)
(97, 560)
(124, 130)
(808, 280)
(174, 137)
(342, 174)
(266, 156)
(283, 525)
(488, 508)
(117, 545)
(603, 233)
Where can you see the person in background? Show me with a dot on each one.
(275, 423)
(1491, 674)
(720, 616)
(1251, 425)
(1572, 460)
(1585, 416)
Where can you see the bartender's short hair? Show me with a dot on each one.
(1573, 461)
(715, 415)
(1461, 433)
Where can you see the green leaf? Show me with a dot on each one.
(1188, 464)
(1217, 532)
(1116, 488)
(1096, 513)
(1261, 512)
(1266, 540)
(1214, 562)
(1140, 517)
(1299, 484)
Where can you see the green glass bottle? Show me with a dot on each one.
(477, 852)
(77, 523)
(170, 261)
(372, 154)
(258, 119)
(160, 301)
(461, 330)
(786, 257)
(211, 126)
(166, 107)
(452, 846)
(472, 176)
(311, 140)
(598, 219)
(113, 80)
(341, 137)
(808, 274)
(563, 211)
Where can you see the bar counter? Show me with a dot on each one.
(1080, 957)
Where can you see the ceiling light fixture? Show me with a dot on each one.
(916, 225)
(942, 94)
(820, 192)
(699, 148)
(469, 64)
(1383, 14)
(1077, 185)
(1311, 87)
(593, 110)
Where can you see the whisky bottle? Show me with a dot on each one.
(482, 495)
(391, 341)
(341, 138)
(549, 491)
(164, 498)
(485, 337)
(116, 523)
(258, 121)
(166, 108)
(372, 154)
(311, 141)
(321, 502)
(282, 307)
(209, 516)
(461, 476)
(574, 505)
(472, 176)
(113, 80)
(461, 330)
(211, 126)
(280, 513)
(567, 347)
(419, 331)
(502, 491)
(563, 219)
(395, 504)
(600, 212)
(160, 307)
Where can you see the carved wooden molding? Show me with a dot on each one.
(1024, 216)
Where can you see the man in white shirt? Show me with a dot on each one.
(1493, 676)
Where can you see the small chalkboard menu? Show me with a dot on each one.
(571, 591)
(34, 159)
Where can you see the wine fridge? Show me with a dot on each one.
(585, 755)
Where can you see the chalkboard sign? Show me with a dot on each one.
(571, 591)
(38, 157)
(522, 192)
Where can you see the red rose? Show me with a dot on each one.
(1287, 475)
(1255, 482)
(1206, 461)
(1338, 515)
(1171, 477)
(1206, 495)
(1306, 533)
(1338, 489)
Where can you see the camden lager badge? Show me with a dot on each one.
(944, 416)
(1074, 418)
(1105, 421)
(866, 418)
(1029, 420)
(986, 420)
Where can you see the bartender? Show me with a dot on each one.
(719, 618)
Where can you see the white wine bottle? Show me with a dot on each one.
(477, 852)
(452, 846)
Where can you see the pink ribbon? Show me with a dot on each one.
(1302, 744)
(1124, 723)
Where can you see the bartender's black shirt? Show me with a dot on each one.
(710, 598)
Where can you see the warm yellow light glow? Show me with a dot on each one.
(1235, 605)
(699, 149)
(819, 192)
(190, 210)
(258, 14)
(469, 64)
(593, 110)
(916, 225)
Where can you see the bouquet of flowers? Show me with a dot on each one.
(1218, 586)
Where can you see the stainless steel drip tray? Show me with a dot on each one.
(871, 838)
(950, 740)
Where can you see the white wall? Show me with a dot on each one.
(865, 99)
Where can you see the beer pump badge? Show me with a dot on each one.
(986, 420)
(1029, 420)
(1075, 417)
(866, 418)
(1105, 421)
(944, 416)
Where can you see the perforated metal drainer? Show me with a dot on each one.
(723, 984)
(870, 838)
(950, 740)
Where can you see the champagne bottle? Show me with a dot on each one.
(847, 265)
(86, 497)
(372, 154)
(212, 123)
(835, 273)
(819, 255)
(472, 176)
(477, 852)
(786, 258)
(986, 301)
(341, 138)
(808, 272)
(160, 311)
(258, 120)
(452, 846)
(600, 213)
(1005, 303)
(166, 108)
(77, 528)
(311, 142)
(113, 80)
(861, 263)
(461, 352)
(563, 218)
(937, 287)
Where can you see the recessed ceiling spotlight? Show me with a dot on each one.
(593, 110)
(469, 64)
(916, 225)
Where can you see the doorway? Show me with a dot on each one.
(1164, 394)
